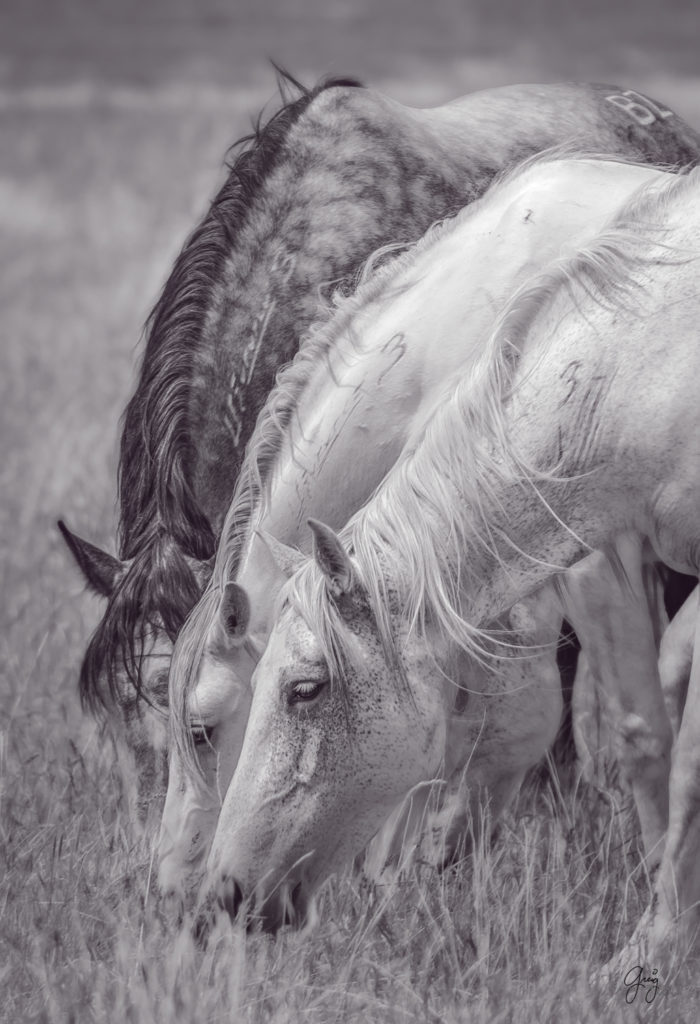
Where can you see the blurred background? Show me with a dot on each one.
(115, 117)
(148, 43)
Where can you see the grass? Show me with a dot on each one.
(97, 190)
(513, 933)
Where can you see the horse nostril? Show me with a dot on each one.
(230, 896)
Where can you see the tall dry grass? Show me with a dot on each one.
(515, 932)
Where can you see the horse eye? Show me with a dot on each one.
(201, 734)
(306, 690)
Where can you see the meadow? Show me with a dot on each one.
(104, 169)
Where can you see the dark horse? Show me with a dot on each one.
(337, 172)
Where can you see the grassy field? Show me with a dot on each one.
(112, 141)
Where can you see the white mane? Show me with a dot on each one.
(416, 542)
(381, 276)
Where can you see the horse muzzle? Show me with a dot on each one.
(286, 905)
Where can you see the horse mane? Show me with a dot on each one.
(160, 580)
(161, 521)
(250, 498)
(414, 565)
(155, 492)
(374, 279)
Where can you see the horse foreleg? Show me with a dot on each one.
(590, 737)
(607, 601)
(504, 720)
(502, 725)
(675, 659)
(675, 909)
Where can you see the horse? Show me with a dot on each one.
(564, 440)
(337, 172)
(365, 382)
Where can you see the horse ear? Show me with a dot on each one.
(287, 559)
(100, 569)
(233, 617)
(332, 558)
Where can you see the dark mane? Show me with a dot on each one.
(161, 518)
(158, 581)
(154, 481)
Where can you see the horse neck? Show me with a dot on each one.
(379, 380)
(597, 446)
(598, 411)
(358, 172)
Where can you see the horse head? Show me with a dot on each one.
(210, 693)
(124, 674)
(338, 732)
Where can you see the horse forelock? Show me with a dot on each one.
(155, 468)
(337, 624)
(155, 594)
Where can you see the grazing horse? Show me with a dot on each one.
(565, 439)
(358, 395)
(337, 172)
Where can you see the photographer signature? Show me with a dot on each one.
(635, 979)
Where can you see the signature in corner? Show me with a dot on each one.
(636, 979)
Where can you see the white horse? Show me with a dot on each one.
(358, 395)
(579, 430)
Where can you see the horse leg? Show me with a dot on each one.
(470, 808)
(675, 659)
(590, 738)
(607, 600)
(675, 907)
(504, 719)
(675, 655)
(502, 725)
(397, 843)
(563, 753)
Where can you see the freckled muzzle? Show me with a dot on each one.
(286, 906)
